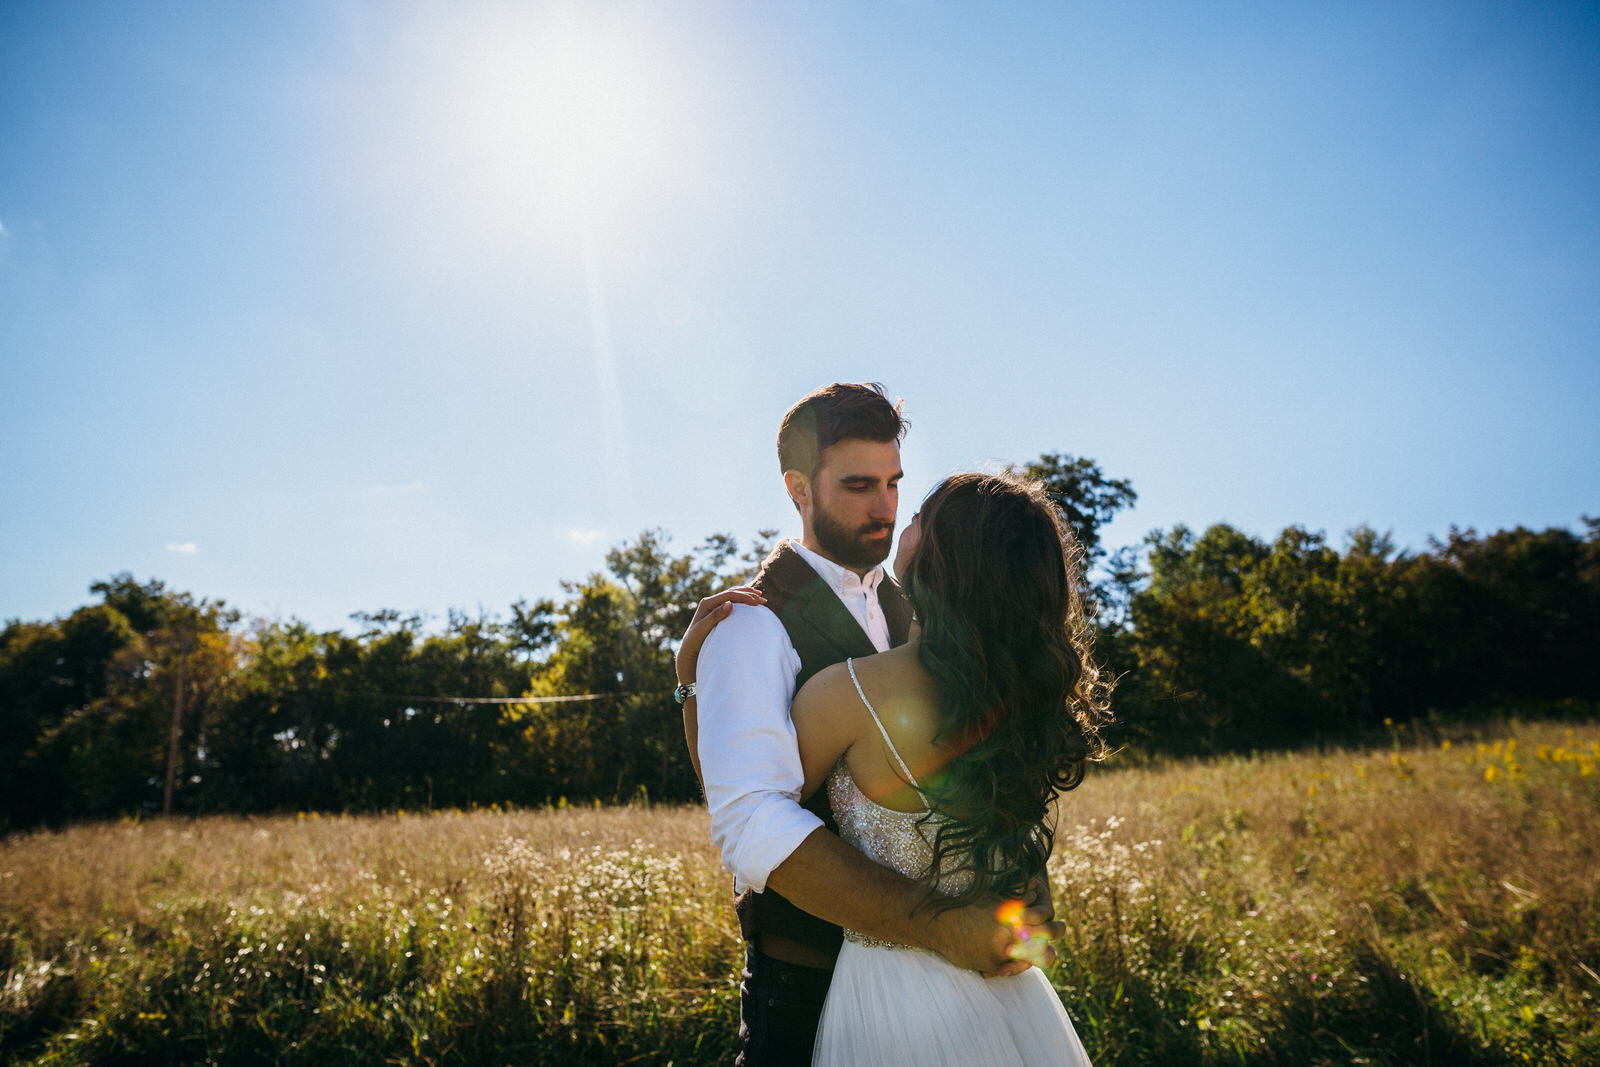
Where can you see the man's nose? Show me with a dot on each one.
(883, 506)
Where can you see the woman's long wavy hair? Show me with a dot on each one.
(996, 580)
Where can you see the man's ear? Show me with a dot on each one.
(799, 487)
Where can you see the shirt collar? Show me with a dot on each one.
(842, 579)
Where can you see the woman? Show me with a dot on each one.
(941, 758)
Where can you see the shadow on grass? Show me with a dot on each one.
(1386, 1018)
(1398, 1021)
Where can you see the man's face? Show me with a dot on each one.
(854, 497)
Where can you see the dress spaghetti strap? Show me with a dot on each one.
(850, 665)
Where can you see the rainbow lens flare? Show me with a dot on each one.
(1010, 914)
(1027, 946)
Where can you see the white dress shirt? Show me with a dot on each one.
(745, 682)
(859, 594)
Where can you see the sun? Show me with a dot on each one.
(521, 121)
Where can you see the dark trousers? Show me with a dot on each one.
(779, 1007)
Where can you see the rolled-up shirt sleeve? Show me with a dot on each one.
(748, 755)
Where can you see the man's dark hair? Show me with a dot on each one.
(832, 414)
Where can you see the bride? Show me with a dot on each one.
(941, 758)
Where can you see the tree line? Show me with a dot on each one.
(149, 699)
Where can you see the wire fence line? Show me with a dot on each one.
(576, 698)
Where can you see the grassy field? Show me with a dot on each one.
(1434, 900)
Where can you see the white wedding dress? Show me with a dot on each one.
(892, 1004)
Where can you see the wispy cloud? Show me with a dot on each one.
(182, 548)
(583, 536)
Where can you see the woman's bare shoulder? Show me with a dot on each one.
(830, 696)
(896, 674)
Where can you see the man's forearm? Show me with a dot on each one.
(833, 881)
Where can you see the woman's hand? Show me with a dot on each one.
(710, 611)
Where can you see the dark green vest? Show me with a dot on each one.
(823, 633)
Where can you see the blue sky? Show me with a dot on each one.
(322, 307)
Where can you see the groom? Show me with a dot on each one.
(827, 598)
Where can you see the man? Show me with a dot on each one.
(826, 599)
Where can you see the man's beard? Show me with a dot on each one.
(851, 548)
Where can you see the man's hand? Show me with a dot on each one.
(1038, 899)
(1031, 920)
(996, 941)
(834, 882)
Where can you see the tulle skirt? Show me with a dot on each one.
(896, 1005)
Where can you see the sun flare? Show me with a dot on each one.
(542, 122)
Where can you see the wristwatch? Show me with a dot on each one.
(683, 692)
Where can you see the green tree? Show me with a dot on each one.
(613, 638)
(269, 743)
(1243, 643)
(1512, 615)
(48, 672)
(90, 700)
(1085, 495)
(1089, 499)
(1200, 677)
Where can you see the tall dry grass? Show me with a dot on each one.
(580, 934)
(1434, 900)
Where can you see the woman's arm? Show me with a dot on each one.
(828, 717)
(710, 611)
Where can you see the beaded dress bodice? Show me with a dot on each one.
(890, 838)
(899, 840)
